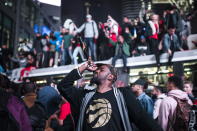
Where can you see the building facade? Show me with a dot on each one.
(18, 19)
(99, 9)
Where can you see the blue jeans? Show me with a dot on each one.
(91, 47)
(124, 58)
(65, 56)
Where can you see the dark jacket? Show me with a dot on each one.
(173, 21)
(75, 96)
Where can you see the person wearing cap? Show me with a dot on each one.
(106, 107)
(90, 34)
(142, 47)
(146, 102)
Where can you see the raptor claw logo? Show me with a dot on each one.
(99, 113)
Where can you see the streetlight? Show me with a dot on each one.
(87, 5)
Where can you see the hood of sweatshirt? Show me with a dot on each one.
(179, 94)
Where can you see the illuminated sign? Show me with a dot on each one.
(161, 1)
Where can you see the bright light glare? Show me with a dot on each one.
(52, 2)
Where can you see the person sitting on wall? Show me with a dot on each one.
(121, 51)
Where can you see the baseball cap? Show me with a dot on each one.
(88, 16)
(140, 82)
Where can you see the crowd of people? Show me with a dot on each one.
(152, 34)
(103, 104)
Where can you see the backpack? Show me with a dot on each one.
(181, 115)
(193, 119)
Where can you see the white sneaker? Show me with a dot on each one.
(55, 66)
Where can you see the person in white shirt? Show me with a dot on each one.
(90, 34)
(157, 93)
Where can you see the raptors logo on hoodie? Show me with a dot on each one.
(99, 113)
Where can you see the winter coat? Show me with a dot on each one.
(125, 47)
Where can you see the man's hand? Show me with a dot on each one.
(134, 52)
(181, 49)
(160, 46)
(169, 52)
(34, 52)
(70, 47)
(127, 30)
(91, 66)
(83, 46)
(88, 65)
(109, 17)
(54, 116)
(133, 37)
(95, 37)
(107, 35)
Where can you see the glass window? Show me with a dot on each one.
(26, 11)
(0, 21)
(1, 25)
(24, 35)
(7, 22)
(7, 31)
(6, 37)
(45, 23)
(32, 17)
(0, 16)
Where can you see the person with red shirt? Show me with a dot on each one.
(64, 112)
(65, 119)
(153, 38)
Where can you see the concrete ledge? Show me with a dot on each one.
(190, 55)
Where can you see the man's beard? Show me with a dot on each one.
(98, 79)
(95, 80)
